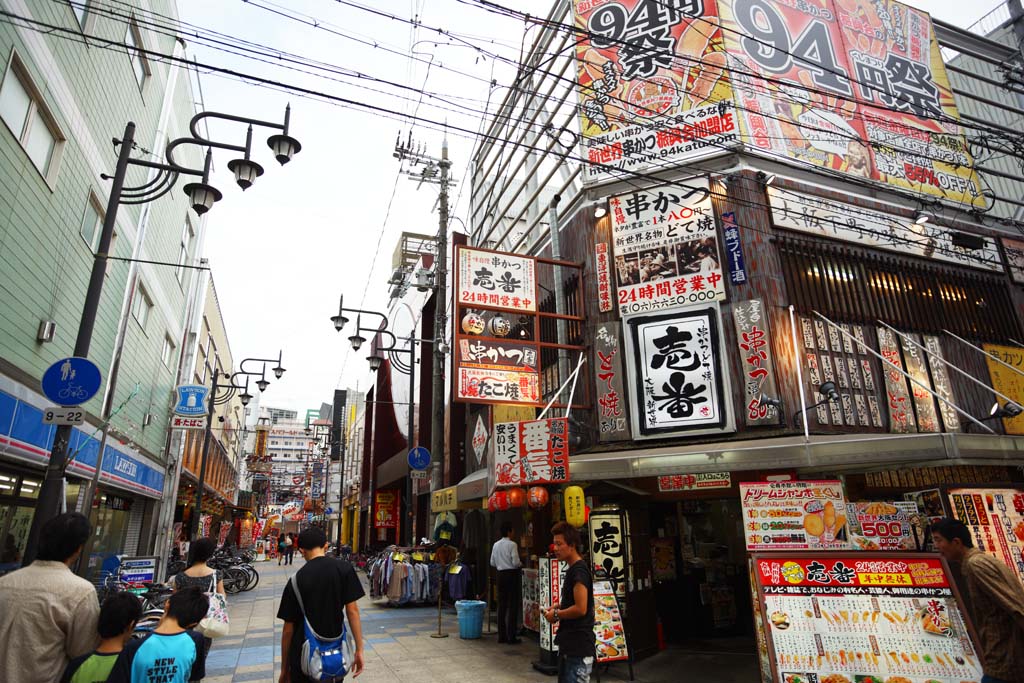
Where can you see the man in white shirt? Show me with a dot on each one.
(505, 558)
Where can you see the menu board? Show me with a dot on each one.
(531, 600)
(996, 520)
(864, 618)
(611, 637)
(794, 515)
(882, 525)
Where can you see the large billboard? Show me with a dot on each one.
(856, 87)
(653, 89)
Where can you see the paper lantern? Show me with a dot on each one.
(499, 326)
(575, 513)
(537, 497)
(501, 500)
(473, 323)
(516, 497)
(492, 503)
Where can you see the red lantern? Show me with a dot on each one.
(586, 514)
(516, 497)
(501, 500)
(537, 497)
(492, 503)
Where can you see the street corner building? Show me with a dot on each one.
(751, 314)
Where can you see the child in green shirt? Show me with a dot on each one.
(118, 615)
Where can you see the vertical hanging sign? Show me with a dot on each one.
(943, 387)
(733, 249)
(608, 548)
(612, 421)
(604, 281)
(756, 357)
(901, 415)
(924, 403)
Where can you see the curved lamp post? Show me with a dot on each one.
(202, 197)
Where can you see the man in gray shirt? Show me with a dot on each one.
(49, 614)
(505, 558)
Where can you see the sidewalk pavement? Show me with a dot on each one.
(399, 649)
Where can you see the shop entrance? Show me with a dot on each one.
(701, 583)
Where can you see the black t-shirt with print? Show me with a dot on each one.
(575, 637)
(327, 585)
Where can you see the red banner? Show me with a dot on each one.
(385, 510)
(876, 574)
(533, 452)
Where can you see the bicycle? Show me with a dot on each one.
(73, 391)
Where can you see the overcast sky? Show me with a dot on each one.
(283, 252)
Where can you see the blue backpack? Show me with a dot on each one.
(322, 659)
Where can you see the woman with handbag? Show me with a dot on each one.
(198, 573)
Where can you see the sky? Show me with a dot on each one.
(327, 223)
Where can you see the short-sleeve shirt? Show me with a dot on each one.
(94, 667)
(575, 637)
(327, 585)
(168, 658)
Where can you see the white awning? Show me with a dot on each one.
(473, 486)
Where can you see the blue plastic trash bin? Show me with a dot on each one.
(471, 618)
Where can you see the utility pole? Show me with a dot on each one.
(435, 171)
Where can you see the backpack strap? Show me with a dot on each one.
(298, 596)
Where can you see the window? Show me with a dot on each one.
(184, 253)
(141, 306)
(167, 354)
(92, 222)
(81, 10)
(133, 40)
(22, 109)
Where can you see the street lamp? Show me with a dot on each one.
(376, 359)
(202, 196)
(230, 389)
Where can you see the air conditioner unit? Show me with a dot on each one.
(423, 279)
(47, 328)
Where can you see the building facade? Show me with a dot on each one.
(790, 270)
(63, 101)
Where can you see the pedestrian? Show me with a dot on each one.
(996, 602)
(172, 653)
(200, 574)
(575, 613)
(505, 559)
(289, 548)
(280, 548)
(329, 589)
(118, 615)
(49, 614)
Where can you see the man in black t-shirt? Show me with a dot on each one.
(330, 589)
(575, 613)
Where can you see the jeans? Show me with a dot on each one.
(574, 669)
(989, 679)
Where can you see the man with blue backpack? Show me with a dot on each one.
(315, 643)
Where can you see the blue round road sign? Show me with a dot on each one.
(419, 458)
(71, 381)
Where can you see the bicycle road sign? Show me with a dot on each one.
(71, 381)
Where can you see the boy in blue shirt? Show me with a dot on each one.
(118, 615)
(171, 653)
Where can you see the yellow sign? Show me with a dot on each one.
(1006, 381)
(444, 500)
(885, 580)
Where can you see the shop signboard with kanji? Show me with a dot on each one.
(642, 103)
(1014, 251)
(756, 355)
(385, 510)
(666, 248)
(677, 383)
(857, 87)
(995, 518)
(608, 548)
(794, 515)
(699, 481)
(1008, 381)
(496, 279)
(551, 575)
(612, 417)
(531, 452)
(835, 617)
(875, 229)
